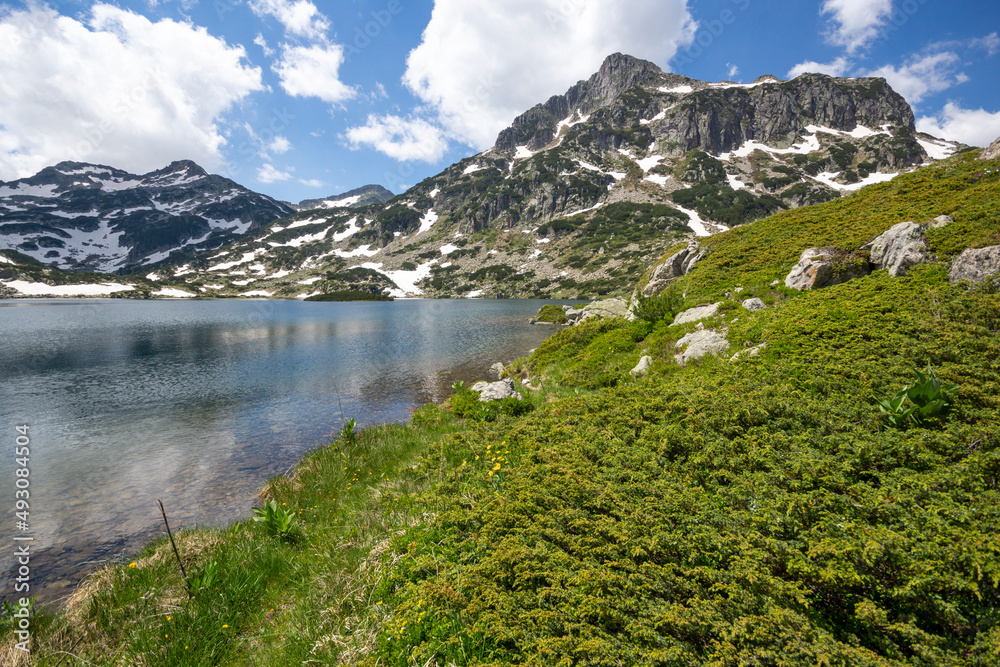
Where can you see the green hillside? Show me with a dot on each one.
(762, 511)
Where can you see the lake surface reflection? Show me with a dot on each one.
(199, 402)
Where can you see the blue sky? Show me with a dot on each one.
(302, 98)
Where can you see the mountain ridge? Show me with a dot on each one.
(577, 205)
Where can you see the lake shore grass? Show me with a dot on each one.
(763, 510)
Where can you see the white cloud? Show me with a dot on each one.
(976, 127)
(923, 75)
(262, 43)
(858, 21)
(269, 174)
(734, 71)
(838, 67)
(481, 63)
(400, 138)
(279, 145)
(312, 183)
(116, 89)
(313, 71)
(300, 18)
(990, 44)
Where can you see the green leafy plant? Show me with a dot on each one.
(276, 519)
(205, 576)
(347, 434)
(662, 306)
(920, 402)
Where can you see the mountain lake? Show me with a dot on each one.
(200, 402)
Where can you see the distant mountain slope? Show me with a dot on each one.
(357, 198)
(582, 191)
(85, 217)
(576, 198)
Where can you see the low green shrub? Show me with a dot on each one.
(551, 314)
(924, 401)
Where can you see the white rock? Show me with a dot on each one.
(699, 344)
(642, 368)
(754, 304)
(695, 314)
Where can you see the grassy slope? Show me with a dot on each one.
(727, 513)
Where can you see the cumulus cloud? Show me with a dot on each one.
(481, 63)
(269, 174)
(114, 88)
(402, 139)
(313, 71)
(976, 127)
(312, 183)
(858, 21)
(838, 67)
(279, 145)
(300, 18)
(923, 75)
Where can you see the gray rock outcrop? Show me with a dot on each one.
(609, 308)
(754, 305)
(899, 248)
(496, 391)
(816, 269)
(699, 344)
(976, 265)
(992, 152)
(677, 265)
(696, 314)
(497, 370)
(642, 368)
(941, 221)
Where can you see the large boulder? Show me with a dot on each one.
(899, 248)
(818, 267)
(496, 391)
(976, 265)
(608, 308)
(696, 314)
(699, 344)
(992, 152)
(673, 268)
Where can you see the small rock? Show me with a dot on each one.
(496, 391)
(695, 314)
(751, 352)
(573, 315)
(976, 265)
(754, 304)
(497, 370)
(699, 344)
(941, 221)
(642, 368)
(775, 283)
(899, 248)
